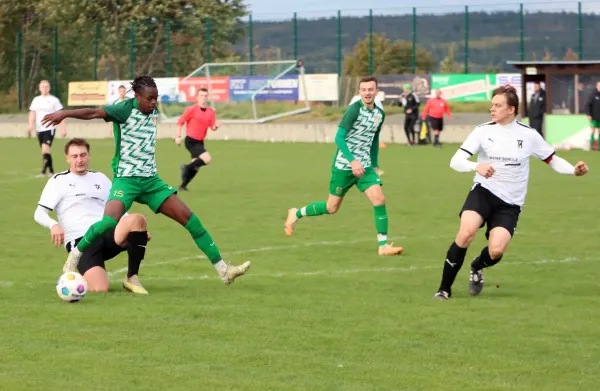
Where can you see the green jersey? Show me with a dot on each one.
(135, 138)
(362, 125)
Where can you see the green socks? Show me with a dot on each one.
(381, 223)
(314, 209)
(203, 239)
(95, 231)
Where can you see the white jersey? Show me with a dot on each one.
(43, 105)
(377, 102)
(78, 200)
(508, 149)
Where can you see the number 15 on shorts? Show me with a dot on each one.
(118, 193)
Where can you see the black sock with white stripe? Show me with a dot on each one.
(45, 162)
(484, 260)
(454, 261)
(136, 249)
(50, 166)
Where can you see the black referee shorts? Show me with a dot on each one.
(103, 249)
(495, 212)
(46, 137)
(196, 147)
(435, 123)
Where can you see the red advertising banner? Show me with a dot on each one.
(219, 88)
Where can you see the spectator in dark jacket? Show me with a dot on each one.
(592, 110)
(537, 108)
(410, 101)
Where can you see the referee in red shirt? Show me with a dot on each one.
(197, 119)
(434, 115)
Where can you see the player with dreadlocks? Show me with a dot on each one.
(135, 178)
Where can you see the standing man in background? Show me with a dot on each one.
(40, 106)
(197, 119)
(410, 101)
(433, 114)
(537, 108)
(592, 110)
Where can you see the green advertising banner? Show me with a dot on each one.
(465, 88)
(568, 131)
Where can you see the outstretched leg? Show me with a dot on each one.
(375, 194)
(470, 221)
(314, 209)
(112, 214)
(131, 233)
(176, 209)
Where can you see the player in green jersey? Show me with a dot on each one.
(355, 163)
(135, 178)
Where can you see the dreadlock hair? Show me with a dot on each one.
(140, 82)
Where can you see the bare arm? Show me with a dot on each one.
(31, 121)
(85, 114)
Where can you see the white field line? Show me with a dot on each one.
(351, 271)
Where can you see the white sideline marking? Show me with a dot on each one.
(321, 272)
(349, 271)
(256, 250)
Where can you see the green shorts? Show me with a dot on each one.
(151, 191)
(595, 124)
(342, 180)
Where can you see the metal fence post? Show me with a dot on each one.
(370, 42)
(96, 39)
(466, 54)
(413, 59)
(131, 49)
(168, 44)
(339, 43)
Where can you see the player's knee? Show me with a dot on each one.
(332, 208)
(138, 222)
(465, 237)
(206, 158)
(496, 251)
(98, 288)
(378, 200)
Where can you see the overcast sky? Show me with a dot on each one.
(283, 9)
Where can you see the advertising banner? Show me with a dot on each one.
(319, 87)
(87, 93)
(465, 88)
(113, 90)
(168, 89)
(243, 87)
(219, 88)
(391, 86)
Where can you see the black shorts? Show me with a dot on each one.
(46, 137)
(103, 249)
(196, 147)
(495, 212)
(435, 123)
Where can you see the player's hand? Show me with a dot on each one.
(589, 117)
(485, 170)
(178, 140)
(63, 133)
(217, 125)
(408, 111)
(581, 169)
(53, 119)
(149, 236)
(357, 169)
(57, 235)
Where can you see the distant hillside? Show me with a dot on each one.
(493, 37)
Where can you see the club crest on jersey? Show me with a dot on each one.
(377, 119)
(520, 143)
(97, 187)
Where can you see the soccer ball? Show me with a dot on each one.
(71, 287)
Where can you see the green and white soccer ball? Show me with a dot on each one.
(71, 287)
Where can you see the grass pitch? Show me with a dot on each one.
(319, 310)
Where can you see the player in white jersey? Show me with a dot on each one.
(355, 163)
(40, 106)
(504, 147)
(79, 196)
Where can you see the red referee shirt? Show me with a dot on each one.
(435, 108)
(197, 121)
